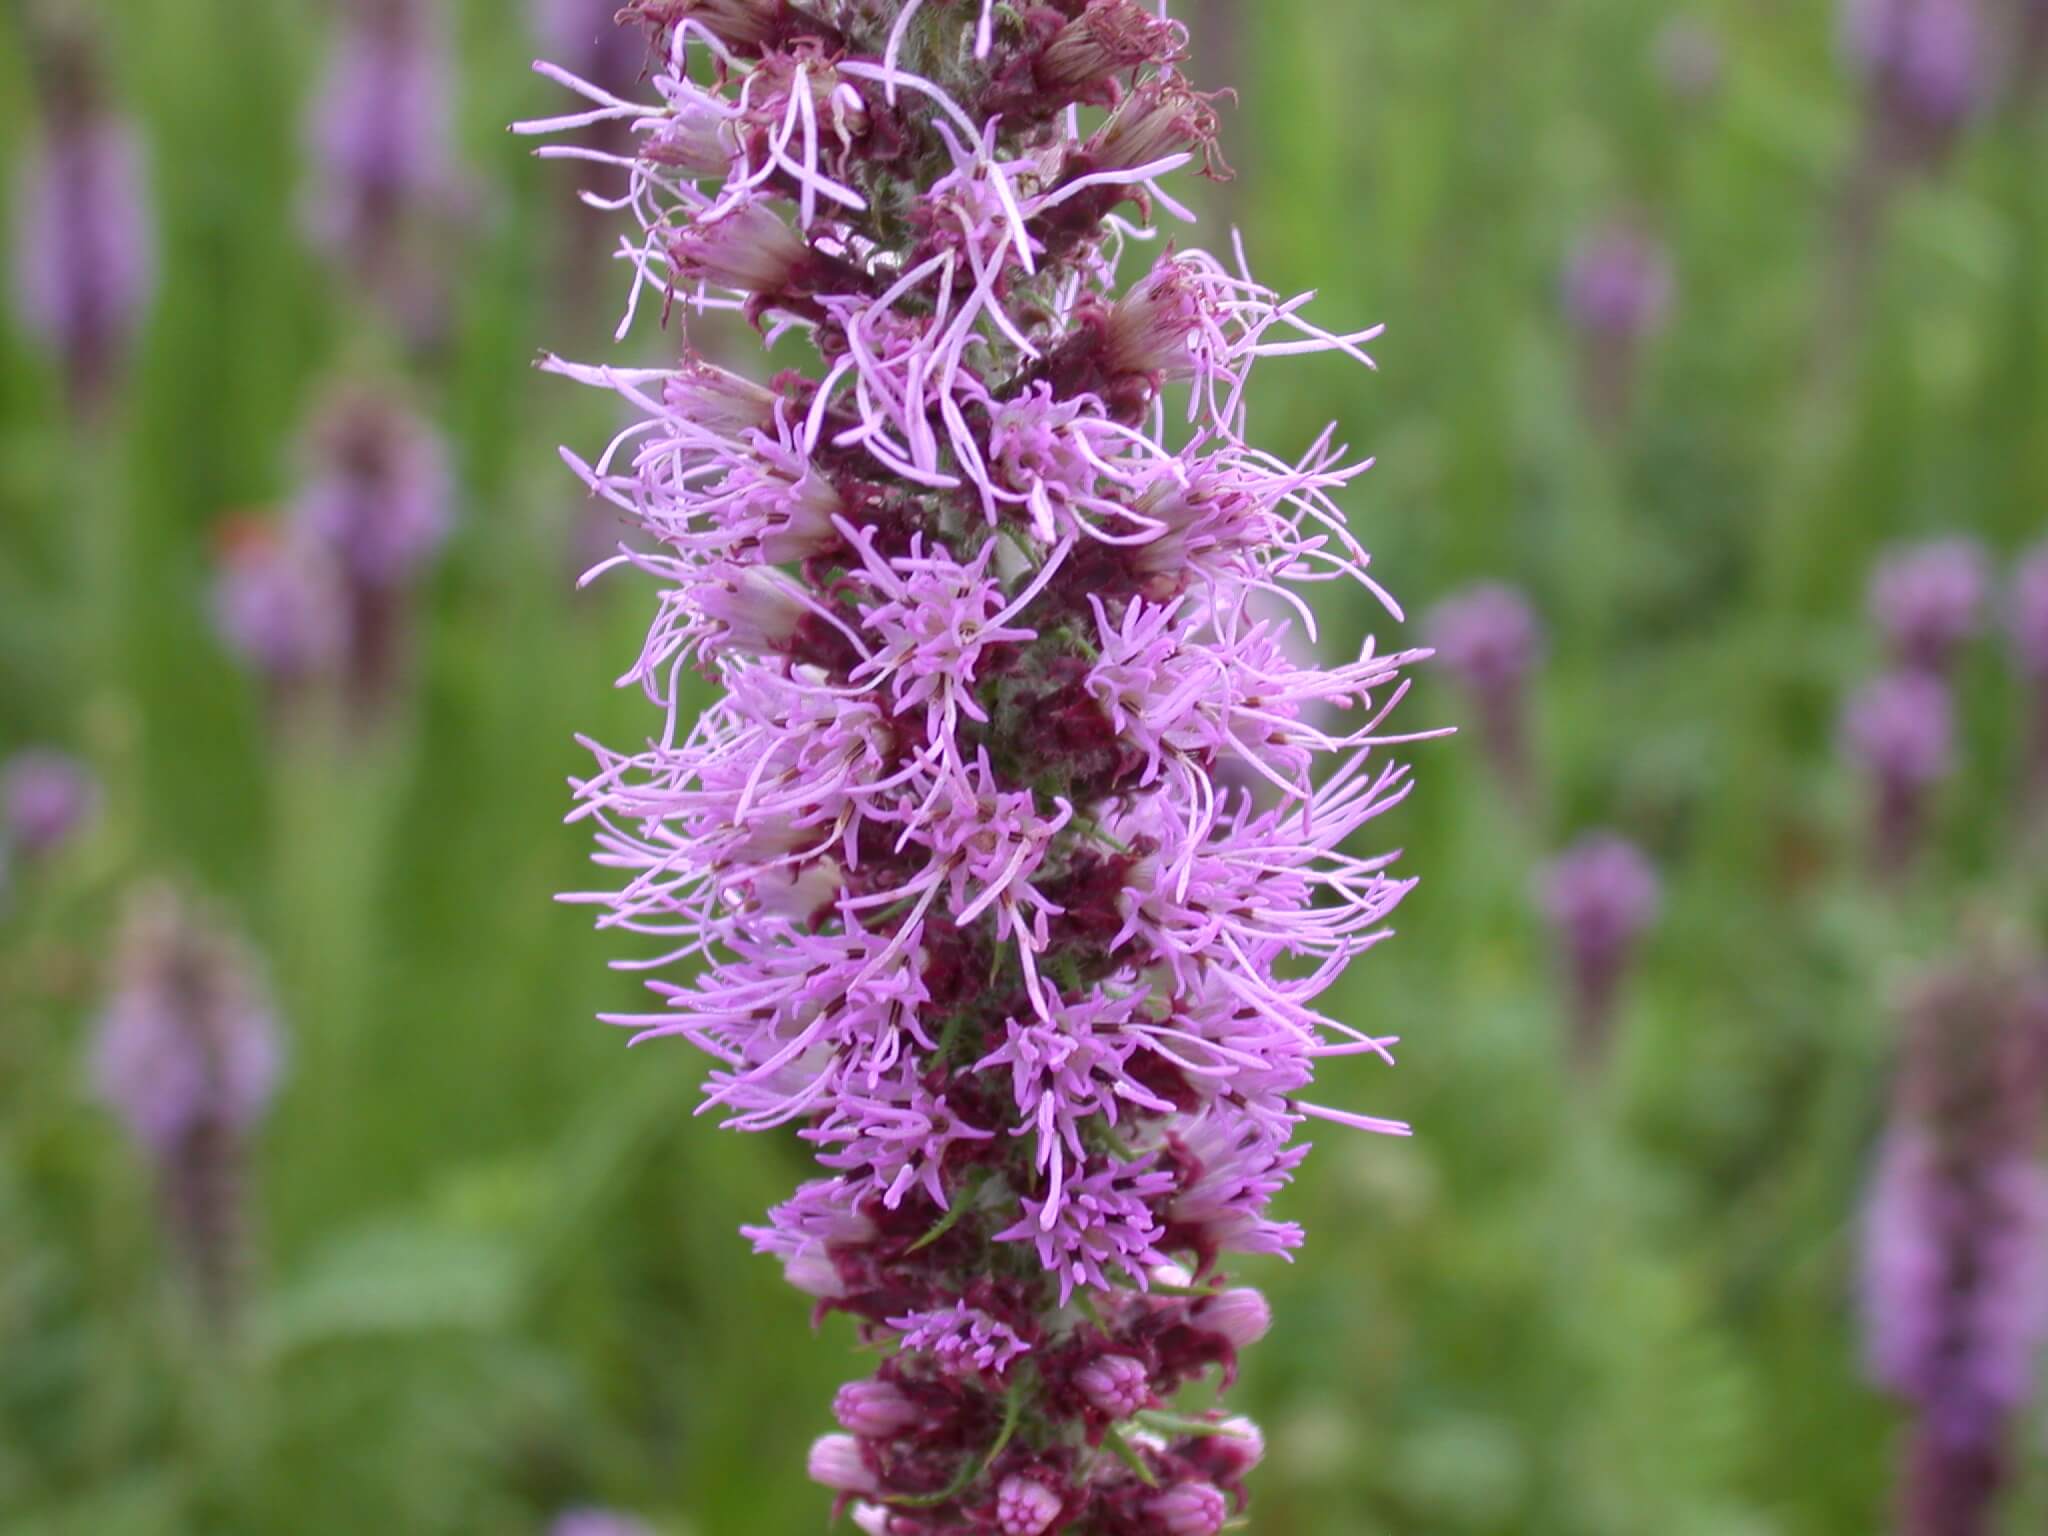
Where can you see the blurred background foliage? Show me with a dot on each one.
(498, 1272)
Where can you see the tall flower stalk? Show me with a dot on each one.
(947, 880)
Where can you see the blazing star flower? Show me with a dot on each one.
(1011, 865)
(374, 509)
(187, 1056)
(1600, 895)
(1923, 64)
(1490, 640)
(1955, 1269)
(1900, 730)
(46, 798)
(1617, 294)
(381, 148)
(1927, 599)
(84, 256)
(278, 604)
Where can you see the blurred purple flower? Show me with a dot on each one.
(379, 495)
(277, 605)
(1923, 63)
(1928, 598)
(84, 244)
(378, 503)
(381, 147)
(1899, 728)
(187, 1056)
(1617, 293)
(1489, 638)
(1618, 281)
(1600, 895)
(1955, 1275)
(49, 796)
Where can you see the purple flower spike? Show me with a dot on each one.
(1618, 282)
(188, 1056)
(381, 149)
(1489, 638)
(1927, 599)
(1955, 1277)
(376, 505)
(84, 247)
(48, 797)
(1923, 63)
(278, 605)
(1600, 895)
(1011, 865)
(1900, 729)
(1617, 294)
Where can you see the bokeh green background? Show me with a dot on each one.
(499, 1267)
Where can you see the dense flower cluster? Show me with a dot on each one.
(950, 875)
(1956, 1235)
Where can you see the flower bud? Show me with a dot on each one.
(751, 247)
(1235, 1451)
(1162, 117)
(1107, 39)
(759, 608)
(1240, 1315)
(874, 1410)
(813, 1272)
(1025, 1507)
(1115, 1385)
(1152, 329)
(836, 1462)
(1188, 1509)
